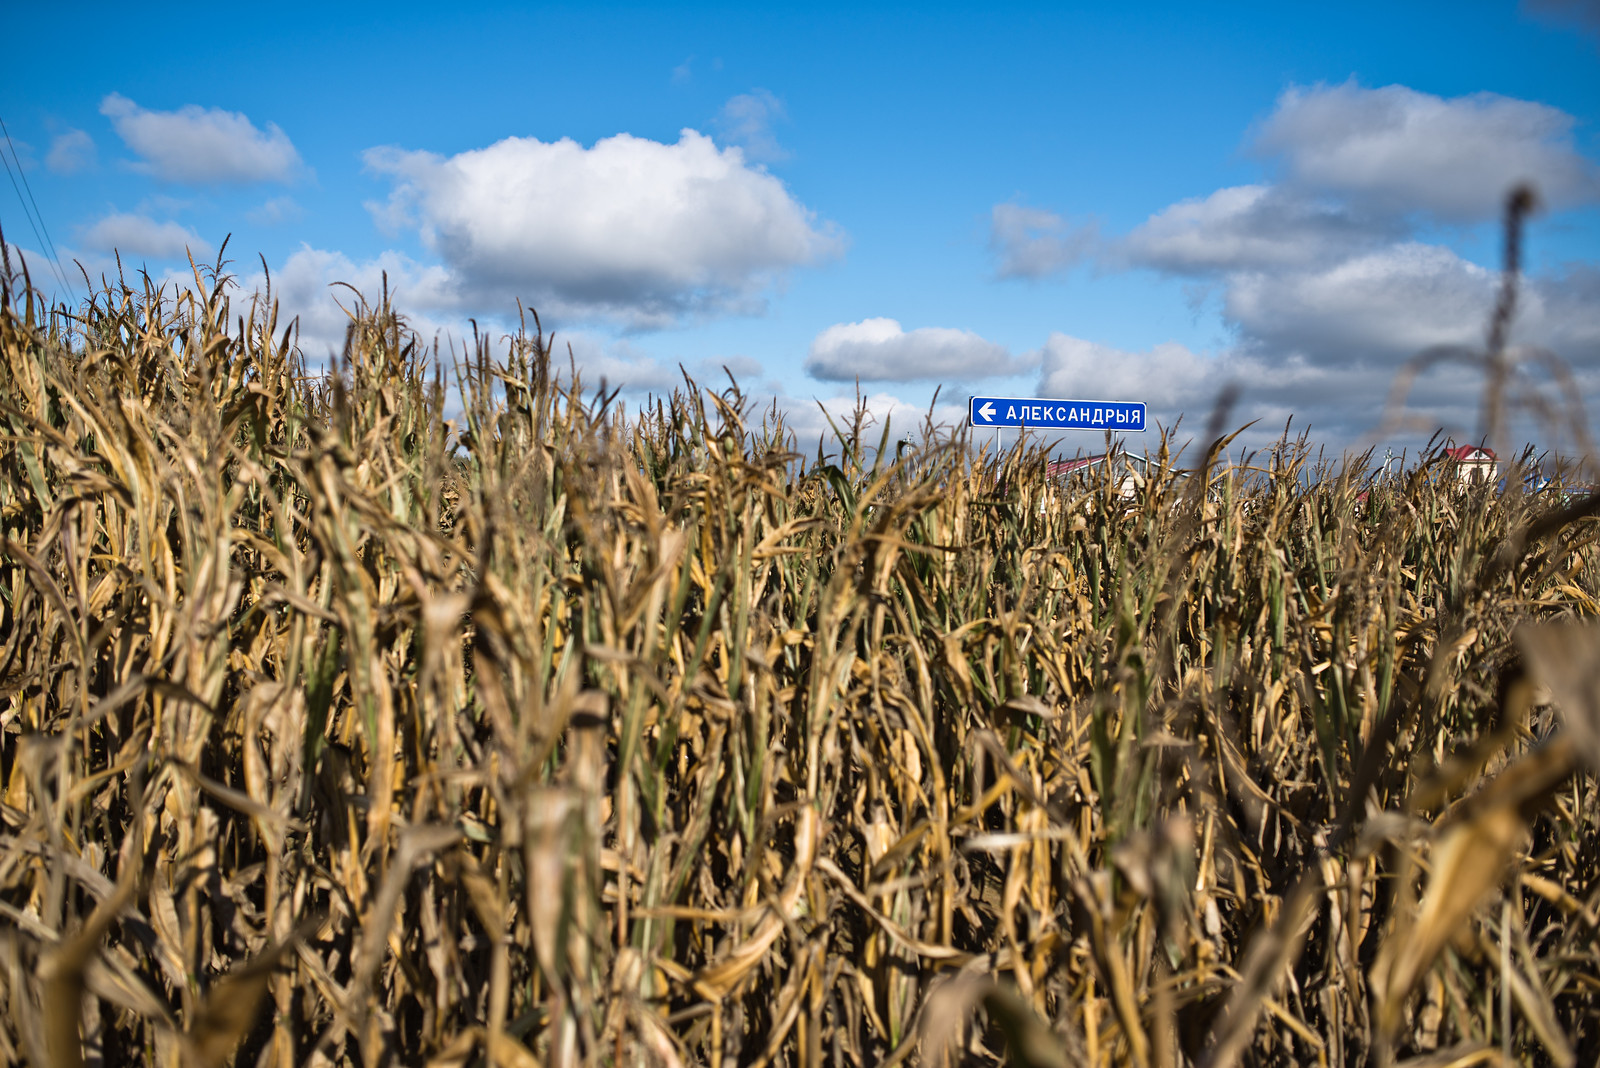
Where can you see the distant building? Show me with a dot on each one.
(1473, 464)
(1130, 470)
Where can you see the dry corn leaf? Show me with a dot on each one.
(1565, 657)
(62, 969)
(231, 1007)
(1480, 839)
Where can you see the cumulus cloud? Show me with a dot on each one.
(39, 267)
(1326, 346)
(1562, 313)
(140, 235)
(623, 364)
(1388, 304)
(1328, 342)
(879, 350)
(620, 364)
(320, 287)
(1342, 404)
(1323, 281)
(1400, 150)
(308, 286)
(1032, 243)
(195, 144)
(630, 230)
(816, 421)
(70, 152)
(1166, 376)
(747, 120)
(1247, 227)
(1359, 167)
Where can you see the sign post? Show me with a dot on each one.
(1037, 413)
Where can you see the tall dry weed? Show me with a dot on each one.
(337, 731)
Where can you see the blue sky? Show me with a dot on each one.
(1101, 201)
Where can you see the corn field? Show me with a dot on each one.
(439, 711)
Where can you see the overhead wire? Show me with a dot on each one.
(41, 232)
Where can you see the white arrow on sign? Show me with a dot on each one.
(987, 411)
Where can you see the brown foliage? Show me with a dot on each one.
(337, 731)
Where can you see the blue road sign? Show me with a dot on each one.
(1037, 413)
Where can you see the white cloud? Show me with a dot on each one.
(1166, 376)
(808, 418)
(318, 286)
(70, 152)
(1324, 284)
(740, 367)
(1396, 149)
(195, 144)
(623, 364)
(1326, 345)
(307, 286)
(36, 266)
(1341, 404)
(878, 350)
(140, 235)
(630, 230)
(1032, 243)
(618, 363)
(1388, 304)
(1246, 227)
(747, 119)
(1562, 313)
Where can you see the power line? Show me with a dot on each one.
(50, 246)
(26, 211)
(35, 217)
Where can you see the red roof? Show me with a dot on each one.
(1064, 467)
(1470, 452)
